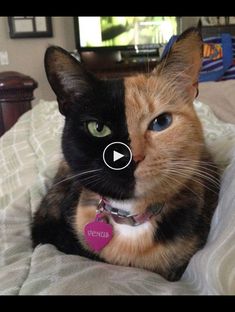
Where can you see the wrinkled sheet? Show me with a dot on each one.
(29, 157)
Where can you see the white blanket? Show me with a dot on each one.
(29, 157)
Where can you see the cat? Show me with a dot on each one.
(171, 184)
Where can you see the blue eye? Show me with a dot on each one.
(160, 123)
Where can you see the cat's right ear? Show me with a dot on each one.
(67, 77)
(182, 63)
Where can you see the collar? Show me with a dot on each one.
(121, 214)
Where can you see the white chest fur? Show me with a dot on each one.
(127, 205)
(130, 245)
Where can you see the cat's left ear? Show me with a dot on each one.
(184, 59)
(68, 79)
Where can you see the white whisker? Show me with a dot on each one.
(77, 175)
(189, 177)
(188, 188)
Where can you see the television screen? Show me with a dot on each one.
(123, 32)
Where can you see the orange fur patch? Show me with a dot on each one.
(146, 98)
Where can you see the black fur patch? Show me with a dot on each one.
(52, 222)
(59, 233)
(83, 152)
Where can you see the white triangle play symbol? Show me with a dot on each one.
(117, 156)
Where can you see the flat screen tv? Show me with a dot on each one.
(123, 33)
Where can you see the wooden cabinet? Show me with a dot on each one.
(16, 94)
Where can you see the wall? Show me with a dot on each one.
(26, 55)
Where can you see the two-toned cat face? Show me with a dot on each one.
(153, 114)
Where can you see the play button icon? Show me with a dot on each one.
(117, 155)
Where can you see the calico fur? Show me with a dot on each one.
(172, 167)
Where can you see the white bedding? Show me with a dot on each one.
(29, 155)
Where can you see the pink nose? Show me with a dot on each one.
(138, 158)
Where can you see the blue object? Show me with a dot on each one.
(168, 46)
(227, 60)
(214, 75)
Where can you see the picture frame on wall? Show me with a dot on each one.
(30, 26)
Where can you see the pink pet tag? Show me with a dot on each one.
(98, 233)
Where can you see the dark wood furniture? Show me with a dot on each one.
(16, 94)
(105, 66)
(121, 70)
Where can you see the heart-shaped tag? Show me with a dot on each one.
(98, 234)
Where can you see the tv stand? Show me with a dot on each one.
(147, 53)
(95, 59)
(106, 65)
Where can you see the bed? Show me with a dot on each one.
(29, 156)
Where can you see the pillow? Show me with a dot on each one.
(219, 135)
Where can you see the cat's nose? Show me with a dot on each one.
(138, 158)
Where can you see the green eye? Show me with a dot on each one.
(98, 129)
